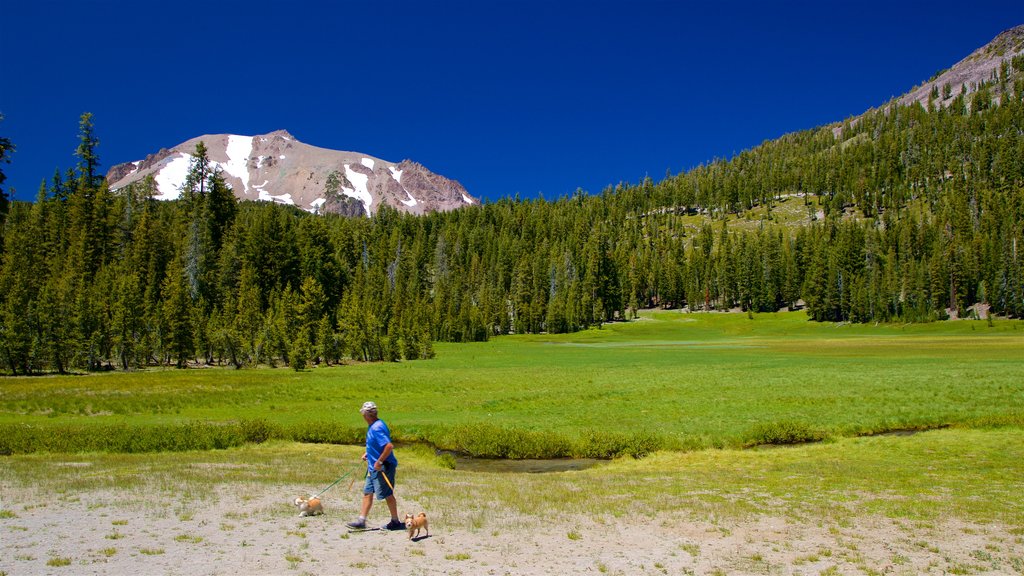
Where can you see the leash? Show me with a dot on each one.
(343, 476)
(386, 480)
(353, 481)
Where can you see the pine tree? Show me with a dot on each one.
(6, 149)
(176, 315)
(88, 161)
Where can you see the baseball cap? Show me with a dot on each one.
(368, 407)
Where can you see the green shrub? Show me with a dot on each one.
(259, 431)
(610, 445)
(446, 460)
(488, 441)
(193, 435)
(118, 438)
(325, 433)
(781, 432)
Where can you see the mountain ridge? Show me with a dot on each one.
(963, 77)
(977, 67)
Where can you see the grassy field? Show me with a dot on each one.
(668, 381)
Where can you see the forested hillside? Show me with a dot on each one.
(910, 213)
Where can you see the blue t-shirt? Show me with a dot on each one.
(377, 437)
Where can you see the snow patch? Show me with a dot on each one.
(361, 191)
(467, 199)
(396, 174)
(171, 177)
(239, 149)
(281, 157)
(315, 205)
(411, 201)
(259, 161)
(368, 162)
(281, 199)
(261, 193)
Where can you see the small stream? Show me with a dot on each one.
(529, 466)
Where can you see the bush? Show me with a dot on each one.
(487, 441)
(606, 445)
(259, 431)
(195, 435)
(446, 460)
(118, 438)
(780, 433)
(325, 433)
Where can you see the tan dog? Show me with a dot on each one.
(309, 506)
(415, 523)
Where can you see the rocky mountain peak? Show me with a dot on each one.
(276, 167)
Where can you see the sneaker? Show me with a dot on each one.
(357, 524)
(393, 525)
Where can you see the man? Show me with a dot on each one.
(381, 462)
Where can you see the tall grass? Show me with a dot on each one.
(192, 435)
(478, 440)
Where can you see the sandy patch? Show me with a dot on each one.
(254, 530)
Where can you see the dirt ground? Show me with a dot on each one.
(259, 532)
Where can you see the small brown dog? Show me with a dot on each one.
(309, 506)
(415, 523)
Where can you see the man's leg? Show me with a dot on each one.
(367, 504)
(364, 509)
(392, 506)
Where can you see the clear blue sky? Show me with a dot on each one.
(505, 96)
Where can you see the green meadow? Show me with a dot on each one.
(908, 450)
(666, 382)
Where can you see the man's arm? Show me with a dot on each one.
(383, 456)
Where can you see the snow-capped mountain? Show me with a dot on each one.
(276, 167)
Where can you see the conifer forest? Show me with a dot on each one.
(912, 213)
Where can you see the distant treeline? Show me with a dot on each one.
(922, 216)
